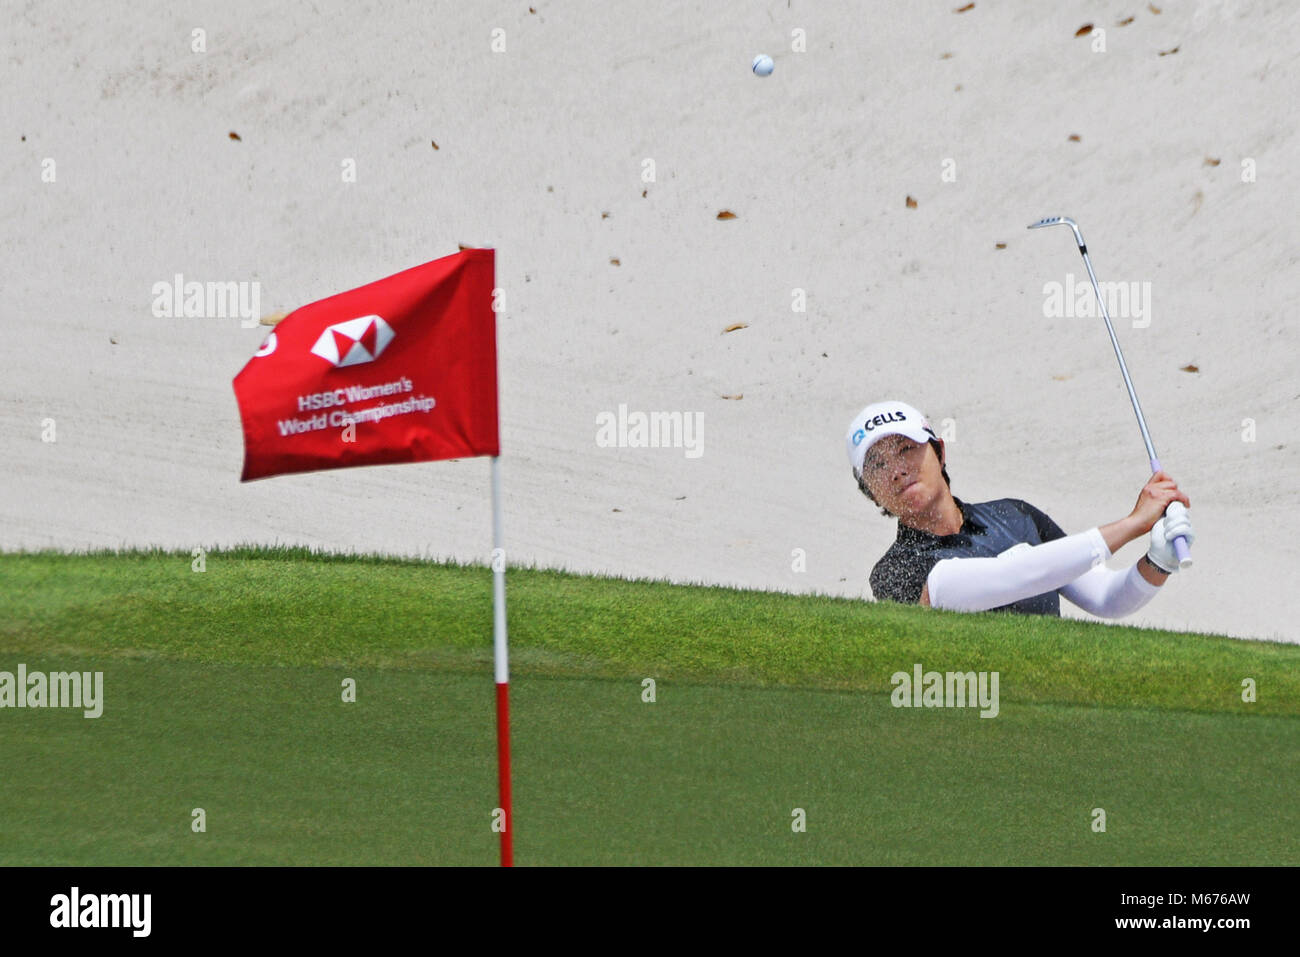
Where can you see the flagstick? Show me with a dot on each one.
(502, 667)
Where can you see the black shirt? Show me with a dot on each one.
(988, 529)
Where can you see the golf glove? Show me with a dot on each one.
(1163, 533)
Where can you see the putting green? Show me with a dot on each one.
(217, 697)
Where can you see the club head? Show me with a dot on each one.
(1060, 221)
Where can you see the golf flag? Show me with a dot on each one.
(400, 370)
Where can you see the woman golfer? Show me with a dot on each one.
(1003, 555)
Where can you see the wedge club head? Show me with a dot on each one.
(1059, 221)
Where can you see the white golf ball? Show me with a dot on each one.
(763, 65)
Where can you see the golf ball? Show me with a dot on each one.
(763, 65)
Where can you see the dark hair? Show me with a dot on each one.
(862, 479)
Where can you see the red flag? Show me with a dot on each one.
(400, 370)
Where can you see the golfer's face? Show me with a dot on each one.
(902, 474)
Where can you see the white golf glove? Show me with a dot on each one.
(1174, 523)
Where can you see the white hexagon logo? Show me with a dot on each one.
(355, 341)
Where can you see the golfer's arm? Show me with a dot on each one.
(1152, 574)
(1118, 534)
(1109, 593)
(1114, 594)
(978, 584)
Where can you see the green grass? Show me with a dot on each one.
(222, 691)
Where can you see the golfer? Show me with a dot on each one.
(1003, 555)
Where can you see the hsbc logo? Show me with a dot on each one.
(353, 342)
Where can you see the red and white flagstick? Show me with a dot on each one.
(501, 658)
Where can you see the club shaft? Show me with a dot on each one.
(1123, 367)
(1180, 542)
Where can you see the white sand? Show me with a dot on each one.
(816, 161)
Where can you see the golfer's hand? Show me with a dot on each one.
(1156, 495)
(1176, 522)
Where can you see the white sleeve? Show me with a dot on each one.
(1110, 593)
(1023, 571)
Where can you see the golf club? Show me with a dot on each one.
(1180, 543)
